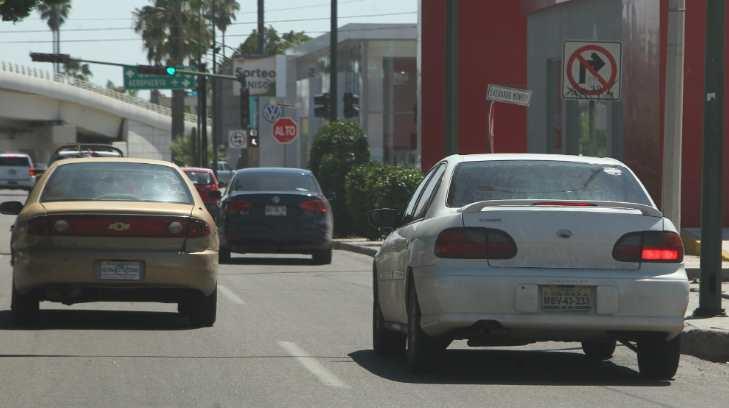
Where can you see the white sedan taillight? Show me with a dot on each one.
(475, 243)
(649, 246)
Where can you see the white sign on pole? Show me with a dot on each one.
(504, 94)
(237, 139)
(591, 70)
(260, 76)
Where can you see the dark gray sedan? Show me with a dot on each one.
(276, 210)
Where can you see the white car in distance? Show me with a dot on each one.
(511, 249)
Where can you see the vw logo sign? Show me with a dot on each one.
(271, 113)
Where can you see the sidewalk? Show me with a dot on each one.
(706, 338)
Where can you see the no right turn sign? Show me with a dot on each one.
(591, 70)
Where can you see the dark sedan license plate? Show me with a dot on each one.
(567, 299)
(120, 270)
(276, 210)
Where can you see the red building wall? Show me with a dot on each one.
(492, 51)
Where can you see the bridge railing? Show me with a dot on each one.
(75, 82)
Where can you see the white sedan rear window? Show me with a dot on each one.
(543, 180)
(116, 182)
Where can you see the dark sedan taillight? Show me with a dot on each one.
(475, 243)
(313, 206)
(649, 246)
(239, 207)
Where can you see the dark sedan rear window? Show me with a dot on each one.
(116, 182)
(199, 177)
(543, 180)
(14, 161)
(275, 181)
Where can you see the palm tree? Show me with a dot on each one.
(225, 13)
(55, 12)
(174, 32)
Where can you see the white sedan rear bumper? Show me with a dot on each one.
(625, 301)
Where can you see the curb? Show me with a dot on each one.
(358, 249)
(711, 345)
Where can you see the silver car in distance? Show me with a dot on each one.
(511, 249)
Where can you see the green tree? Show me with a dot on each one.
(275, 43)
(16, 10)
(183, 151)
(55, 13)
(338, 147)
(77, 71)
(224, 14)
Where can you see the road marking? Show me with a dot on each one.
(231, 295)
(312, 364)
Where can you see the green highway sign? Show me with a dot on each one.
(134, 80)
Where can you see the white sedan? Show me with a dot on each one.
(511, 249)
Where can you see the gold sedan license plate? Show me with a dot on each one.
(276, 210)
(567, 299)
(120, 270)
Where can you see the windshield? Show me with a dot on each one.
(199, 177)
(14, 161)
(275, 181)
(116, 182)
(543, 180)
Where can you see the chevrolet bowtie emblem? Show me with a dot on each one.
(119, 227)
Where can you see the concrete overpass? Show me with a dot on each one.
(39, 112)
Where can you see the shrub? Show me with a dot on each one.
(375, 185)
(337, 148)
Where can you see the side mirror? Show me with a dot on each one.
(11, 207)
(385, 218)
(216, 195)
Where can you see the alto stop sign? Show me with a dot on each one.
(285, 130)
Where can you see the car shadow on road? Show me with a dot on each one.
(505, 367)
(267, 261)
(97, 320)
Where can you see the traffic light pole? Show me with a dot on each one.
(711, 198)
(333, 43)
(451, 79)
(202, 91)
(216, 113)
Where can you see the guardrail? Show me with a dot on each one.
(111, 93)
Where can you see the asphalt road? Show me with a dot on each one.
(294, 335)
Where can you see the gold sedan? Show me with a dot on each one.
(114, 229)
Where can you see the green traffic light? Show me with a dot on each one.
(171, 71)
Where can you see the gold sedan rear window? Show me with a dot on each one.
(116, 182)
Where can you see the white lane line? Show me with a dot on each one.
(312, 364)
(230, 295)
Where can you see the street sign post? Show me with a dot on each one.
(507, 95)
(134, 80)
(237, 139)
(285, 131)
(591, 70)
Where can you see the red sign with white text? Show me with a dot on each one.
(285, 130)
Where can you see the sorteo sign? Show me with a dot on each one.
(591, 70)
(260, 75)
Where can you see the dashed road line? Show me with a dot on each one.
(230, 295)
(325, 376)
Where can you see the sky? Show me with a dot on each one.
(112, 20)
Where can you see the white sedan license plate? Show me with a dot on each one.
(120, 270)
(567, 299)
(276, 210)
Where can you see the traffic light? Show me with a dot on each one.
(322, 105)
(351, 105)
(55, 58)
(156, 70)
(253, 138)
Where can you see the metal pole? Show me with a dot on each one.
(203, 89)
(333, 42)
(178, 96)
(451, 79)
(214, 82)
(711, 202)
(261, 28)
(673, 118)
